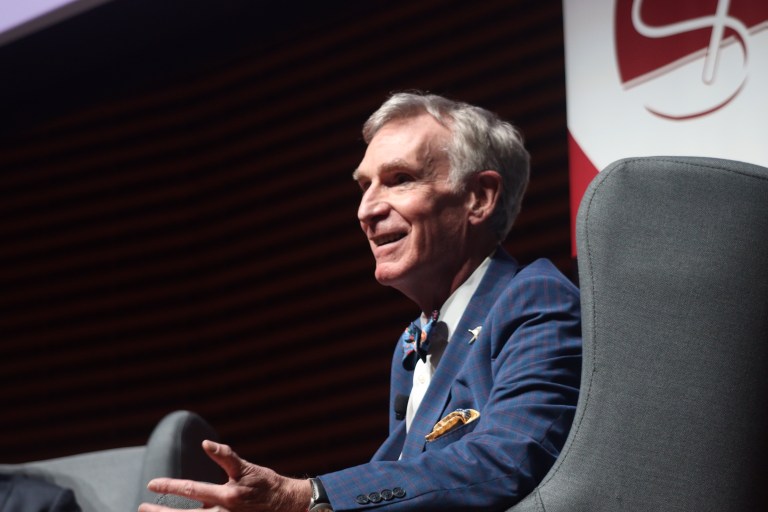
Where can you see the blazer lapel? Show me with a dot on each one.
(432, 408)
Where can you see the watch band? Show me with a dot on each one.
(319, 501)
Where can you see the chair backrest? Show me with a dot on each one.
(673, 411)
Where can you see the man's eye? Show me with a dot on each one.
(403, 178)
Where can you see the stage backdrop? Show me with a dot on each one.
(655, 77)
(177, 213)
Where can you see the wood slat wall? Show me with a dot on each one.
(193, 244)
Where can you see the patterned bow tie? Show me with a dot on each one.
(415, 341)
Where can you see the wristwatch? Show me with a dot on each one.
(319, 501)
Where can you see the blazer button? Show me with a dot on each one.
(387, 494)
(398, 492)
(362, 499)
(374, 497)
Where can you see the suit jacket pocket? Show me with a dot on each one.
(451, 436)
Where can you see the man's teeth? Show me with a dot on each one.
(388, 239)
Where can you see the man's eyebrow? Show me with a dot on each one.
(394, 165)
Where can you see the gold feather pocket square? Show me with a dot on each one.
(450, 422)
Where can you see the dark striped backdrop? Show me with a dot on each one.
(182, 233)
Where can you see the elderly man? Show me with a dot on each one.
(484, 385)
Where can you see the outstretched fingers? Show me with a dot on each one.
(200, 491)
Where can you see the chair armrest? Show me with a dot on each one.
(102, 481)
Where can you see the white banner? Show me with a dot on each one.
(654, 77)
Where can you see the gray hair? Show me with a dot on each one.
(480, 141)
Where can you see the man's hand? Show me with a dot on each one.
(250, 488)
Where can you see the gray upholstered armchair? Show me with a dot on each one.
(673, 411)
(115, 480)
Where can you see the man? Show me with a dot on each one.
(491, 371)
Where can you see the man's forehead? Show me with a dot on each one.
(418, 142)
(418, 130)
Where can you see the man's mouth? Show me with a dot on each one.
(387, 239)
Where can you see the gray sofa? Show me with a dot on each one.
(115, 480)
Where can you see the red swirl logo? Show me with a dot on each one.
(689, 58)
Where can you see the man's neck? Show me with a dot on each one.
(436, 297)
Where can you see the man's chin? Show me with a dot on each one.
(383, 278)
(387, 275)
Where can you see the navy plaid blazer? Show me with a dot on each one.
(522, 374)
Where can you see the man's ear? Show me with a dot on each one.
(484, 190)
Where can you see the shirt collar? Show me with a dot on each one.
(453, 308)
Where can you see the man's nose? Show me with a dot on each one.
(372, 206)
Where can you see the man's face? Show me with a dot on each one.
(414, 221)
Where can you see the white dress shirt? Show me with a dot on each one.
(450, 315)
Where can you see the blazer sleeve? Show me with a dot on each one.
(528, 358)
